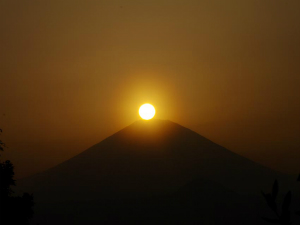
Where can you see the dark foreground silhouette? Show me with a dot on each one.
(199, 202)
(281, 216)
(13, 209)
(153, 172)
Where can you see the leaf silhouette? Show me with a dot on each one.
(270, 201)
(275, 190)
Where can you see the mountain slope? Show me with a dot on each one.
(144, 159)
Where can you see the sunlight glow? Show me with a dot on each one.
(147, 111)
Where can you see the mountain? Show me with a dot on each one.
(154, 162)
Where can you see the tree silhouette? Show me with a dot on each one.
(2, 145)
(13, 209)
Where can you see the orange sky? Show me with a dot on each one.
(75, 72)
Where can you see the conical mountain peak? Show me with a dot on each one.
(149, 158)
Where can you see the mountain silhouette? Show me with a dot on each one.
(157, 161)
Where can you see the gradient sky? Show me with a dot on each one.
(74, 72)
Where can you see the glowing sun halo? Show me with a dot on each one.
(147, 111)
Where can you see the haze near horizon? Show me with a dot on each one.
(74, 73)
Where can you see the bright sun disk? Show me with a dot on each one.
(147, 111)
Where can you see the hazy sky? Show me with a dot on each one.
(74, 72)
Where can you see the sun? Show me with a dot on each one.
(147, 111)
